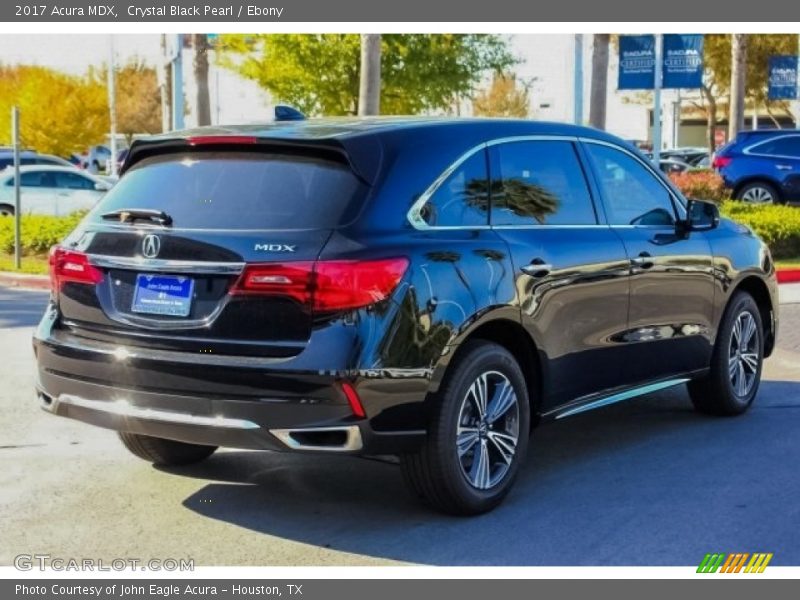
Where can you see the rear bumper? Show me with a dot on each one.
(146, 393)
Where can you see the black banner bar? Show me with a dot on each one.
(462, 11)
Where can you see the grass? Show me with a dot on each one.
(35, 264)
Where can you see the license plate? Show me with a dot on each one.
(163, 295)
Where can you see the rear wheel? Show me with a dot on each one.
(6, 210)
(732, 383)
(478, 434)
(759, 192)
(160, 451)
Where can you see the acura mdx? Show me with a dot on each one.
(423, 288)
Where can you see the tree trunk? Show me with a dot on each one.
(201, 78)
(599, 91)
(369, 95)
(738, 73)
(711, 114)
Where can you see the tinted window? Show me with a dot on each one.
(539, 183)
(463, 199)
(73, 181)
(35, 179)
(239, 190)
(783, 146)
(632, 194)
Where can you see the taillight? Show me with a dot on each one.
(325, 286)
(70, 266)
(206, 140)
(721, 161)
(353, 400)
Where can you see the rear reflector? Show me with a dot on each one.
(353, 400)
(70, 266)
(325, 286)
(206, 140)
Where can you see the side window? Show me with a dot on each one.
(31, 179)
(463, 199)
(782, 146)
(539, 183)
(633, 195)
(73, 181)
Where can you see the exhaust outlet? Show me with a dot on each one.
(321, 439)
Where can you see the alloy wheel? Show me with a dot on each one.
(758, 195)
(488, 430)
(743, 355)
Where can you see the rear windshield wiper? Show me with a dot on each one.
(129, 215)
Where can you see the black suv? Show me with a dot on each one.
(424, 288)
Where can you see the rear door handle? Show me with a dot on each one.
(643, 261)
(537, 268)
(784, 167)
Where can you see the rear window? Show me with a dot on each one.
(240, 190)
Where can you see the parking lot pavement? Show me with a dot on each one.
(643, 482)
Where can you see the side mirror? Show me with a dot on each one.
(102, 187)
(700, 216)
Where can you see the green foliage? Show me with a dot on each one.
(701, 184)
(778, 225)
(38, 232)
(319, 73)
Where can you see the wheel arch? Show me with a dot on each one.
(758, 290)
(512, 336)
(756, 179)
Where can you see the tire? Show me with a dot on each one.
(454, 482)
(6, 210)
(759, 192)
(160, 451)
(732, 383)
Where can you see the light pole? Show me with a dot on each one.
(577, 85)
(657, 101)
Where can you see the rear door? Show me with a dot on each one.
(177, 282)
(779, 159)
(571, 269)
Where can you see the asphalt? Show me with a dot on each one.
(647, 482)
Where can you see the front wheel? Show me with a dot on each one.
(478, 434)
(758, 192)
(6, 210)
(732, 383)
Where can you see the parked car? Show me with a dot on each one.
(28, 157)
(94, 158)
(693, 156)
(51, 190)
(673, 165)
(417, 287)
(762, 166)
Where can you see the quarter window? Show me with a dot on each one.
(539, 183)
(463, 199)
(632, 194)
(782, 146)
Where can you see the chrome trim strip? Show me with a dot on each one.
(123, 408)
(352, 443)
(626, 395)
(166, 266)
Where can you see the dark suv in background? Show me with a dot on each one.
(762, 166)
(416, 287)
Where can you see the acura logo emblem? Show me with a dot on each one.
(151, 245)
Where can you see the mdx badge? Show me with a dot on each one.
(275, 247)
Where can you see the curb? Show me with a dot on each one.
(25, 281)
(788, 275)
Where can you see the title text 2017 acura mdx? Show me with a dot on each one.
(424, 288)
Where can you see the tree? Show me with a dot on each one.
(738, 74)
(504, 98)
(59, 114)
(599, 85)
(369, 95)
(717, 77)
(200, 42)
(320, 73)
(138, 100)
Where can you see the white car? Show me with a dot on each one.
(49, 190)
